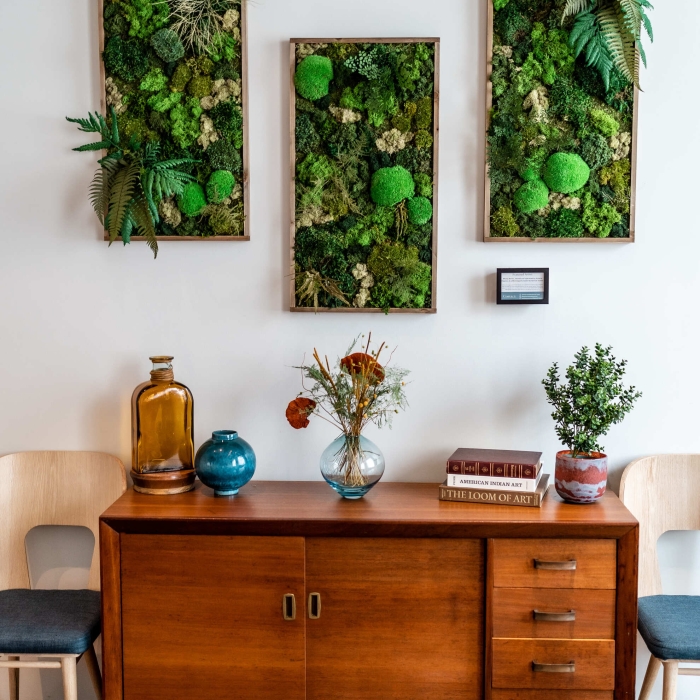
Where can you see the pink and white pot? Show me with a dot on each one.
(581, 480)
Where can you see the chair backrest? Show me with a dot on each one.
(52, 488)
(663, 493)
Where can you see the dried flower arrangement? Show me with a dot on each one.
(364, 157)
(173, 86)
(357, 392)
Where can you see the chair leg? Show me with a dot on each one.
(94, 671)
(14, 679)
(670, 679)
(650, 678)
(70, 678)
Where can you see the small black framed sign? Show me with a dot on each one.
(523, 285)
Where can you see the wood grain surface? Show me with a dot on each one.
(312, 509)
(401, 619)
(501, 694)
(513, 613)
(514, 563)
(202, 617)
(594, 660)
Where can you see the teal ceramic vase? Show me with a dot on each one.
(225, 463)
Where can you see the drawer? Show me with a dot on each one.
(514, 613)
(554, 563)
(514, 661)
(551, 695)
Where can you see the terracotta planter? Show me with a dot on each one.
(581, 480)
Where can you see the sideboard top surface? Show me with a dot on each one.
(312, 509)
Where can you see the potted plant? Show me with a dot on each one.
(586, 405)
(357, 392)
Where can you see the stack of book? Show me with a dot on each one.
(498, 477)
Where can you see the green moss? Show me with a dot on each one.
(420, 210)
(223, 47)
(180, 78)
(565, 172)
(352, 98)
(392, 185)
(511, 24)
(564, 223)
(499, 4)
(569, 101)
(153, 81)
(414, 160)
(185, 122)
(617, 176)
(595, 151)
(533, 195)
(503, 222)
(223, 155)
(599, 220)
(200, 86)
(605, 123)
(228, 120)
(424, 113)
(125, 58)
(402, 280)
(220, 185)
(315, 170)
(313, 76)
(371, 229)
(145, 16)
(424, 185)
(164, 101)
(423, 139)
(552, 51)
(307, 138)
(114, 20)
(192, 200)
(166, 43)
(401, 122)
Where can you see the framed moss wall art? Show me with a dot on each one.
(561, 141)
(174, 73)
(364, 163)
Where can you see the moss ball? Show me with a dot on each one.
(223, 155)
(220, 185)
(566, 172)
(313, 77)
(392, 185)
(192, 200)
(166, 43)
(533, 195)
(420, 210)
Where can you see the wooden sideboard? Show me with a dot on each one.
(288, 592)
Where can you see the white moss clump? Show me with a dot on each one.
(393, 141)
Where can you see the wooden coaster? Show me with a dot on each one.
(164, 483)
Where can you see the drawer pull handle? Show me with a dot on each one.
(541, 616)
(556, 565)
(554, 668)
(314, 606)
(289, 606)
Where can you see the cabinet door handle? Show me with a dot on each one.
(556, 565)
(314, 606)
(289, 606)
(554, 668)
(541, 616)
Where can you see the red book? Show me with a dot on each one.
(503, 463)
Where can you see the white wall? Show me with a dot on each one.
(78, 320)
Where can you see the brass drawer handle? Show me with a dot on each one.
(289, 606)
(314, 606)
(554, 668)
(554, 616)
(556, 565)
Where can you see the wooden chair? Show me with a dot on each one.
(663, 493)
(51, 488)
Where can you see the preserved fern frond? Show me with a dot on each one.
(144, 224)
(122, 193)
(573, 7)
(100, 188)
(310, 284)
(586, 37)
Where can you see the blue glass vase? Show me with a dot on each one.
(225, 463)
(352, 465)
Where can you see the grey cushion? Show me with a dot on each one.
(48, 622)
(670, 626)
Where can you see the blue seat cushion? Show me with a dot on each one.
(670, 626)
(48, 622)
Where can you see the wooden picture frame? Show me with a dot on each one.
(244, 109)
(487, 237)
(292, 159)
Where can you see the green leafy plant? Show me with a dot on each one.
(609, 34)
(590, 401)
(130, 181)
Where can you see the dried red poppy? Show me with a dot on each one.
(362, 363)
(298, 412)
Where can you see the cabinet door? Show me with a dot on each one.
(202, 617)
(399, 619)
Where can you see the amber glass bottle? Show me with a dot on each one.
(162, 433)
